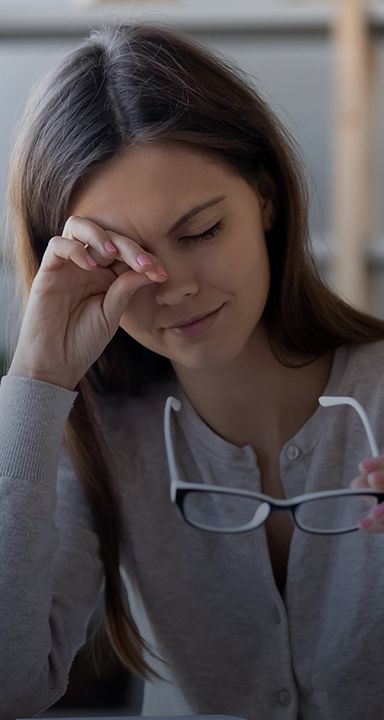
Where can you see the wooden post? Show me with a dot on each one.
(352, 184)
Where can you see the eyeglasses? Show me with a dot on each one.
(230, 510)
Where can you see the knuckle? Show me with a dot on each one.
(75, 223)
(137, 248)
(72, 219)
(54, 240)
(69, 221)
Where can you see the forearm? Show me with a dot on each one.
(35, 649)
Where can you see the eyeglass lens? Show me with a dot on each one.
(337, 513)
(220, 512)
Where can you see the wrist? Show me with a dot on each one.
(53, 378)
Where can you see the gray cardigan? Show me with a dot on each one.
(207, 604)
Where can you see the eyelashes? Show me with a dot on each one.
(206, 235)
(197, 239)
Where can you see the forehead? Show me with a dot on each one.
(161, 178)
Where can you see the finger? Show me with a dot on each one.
(366, 501)
(373, 523)
(105, 246)
(60, 250)
(376, 479)
(133, 254)
(119, 295)
(101, 249)
(119, 267)
(372, 463)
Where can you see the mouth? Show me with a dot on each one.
(192, 320)
(196, 325)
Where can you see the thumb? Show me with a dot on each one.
(119, 294)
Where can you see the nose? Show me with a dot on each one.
(181, 283)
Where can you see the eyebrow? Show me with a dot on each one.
(198, 209)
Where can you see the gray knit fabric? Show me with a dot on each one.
(206, 603)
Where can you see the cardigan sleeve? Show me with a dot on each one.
(50, 570)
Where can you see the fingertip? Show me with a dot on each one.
(91, 261)
(156, 275)
(368, 464)
(366, 523)
(109, 247)
(376, 479)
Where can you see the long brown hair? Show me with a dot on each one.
(137, 84)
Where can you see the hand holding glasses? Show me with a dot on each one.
(230, 510)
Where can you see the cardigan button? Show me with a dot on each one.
(292, 452)
(284, 698)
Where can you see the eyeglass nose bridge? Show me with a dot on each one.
(266, 508)
(285, 505)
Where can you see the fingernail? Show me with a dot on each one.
(161, 271)
(143, 260)
(378, 511)
(109, 247)
(91, 261)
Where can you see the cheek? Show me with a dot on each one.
(245, 267)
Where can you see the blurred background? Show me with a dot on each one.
(320, 65)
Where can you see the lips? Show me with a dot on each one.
(192, 320)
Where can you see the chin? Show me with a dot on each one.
(197, 359)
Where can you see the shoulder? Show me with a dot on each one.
(367, 355)
(362, 376)
(362, 365)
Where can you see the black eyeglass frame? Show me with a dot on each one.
(179, 490)
(183, 489)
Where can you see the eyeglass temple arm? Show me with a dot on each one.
(172, 403)
(328, 400)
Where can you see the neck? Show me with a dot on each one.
(255, 399)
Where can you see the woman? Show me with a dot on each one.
(160, 225)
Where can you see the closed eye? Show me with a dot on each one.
(206, 235)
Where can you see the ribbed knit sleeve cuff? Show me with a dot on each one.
(33, 415)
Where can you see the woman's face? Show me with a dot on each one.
(215, 260)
